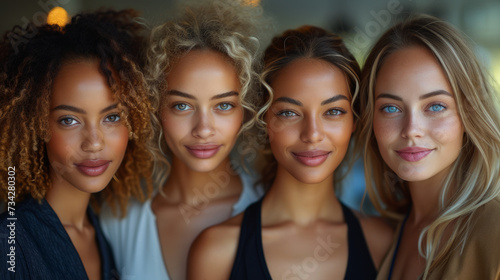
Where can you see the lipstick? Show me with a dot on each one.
(93, 167)
(311, 158)
(203, 151)
(413, 154)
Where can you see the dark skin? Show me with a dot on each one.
(87, 145)
(301, 207)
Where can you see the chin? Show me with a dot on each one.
(310, 178)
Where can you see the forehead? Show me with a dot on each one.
(411, 70)
(310, 79)
(202, 72)
(81, 83)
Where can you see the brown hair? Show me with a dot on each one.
(26, 78)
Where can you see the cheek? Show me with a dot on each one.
(174, 128)
(62, 146)
(384, 129)
(448, 133)
(229, 125)
(117, 140)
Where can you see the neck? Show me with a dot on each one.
(69, 203)
(291, 200)
(185, 185)
(425, 196)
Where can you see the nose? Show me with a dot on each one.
(412, 126)
(93, 140)
(312, 131)
(204, 126)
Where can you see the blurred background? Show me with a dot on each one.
(360, 22)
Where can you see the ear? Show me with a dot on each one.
(354, 126)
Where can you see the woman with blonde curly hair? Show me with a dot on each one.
(75, 127)
(202, 72)
(432, 143)
(299, 230)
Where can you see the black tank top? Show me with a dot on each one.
(250, 262)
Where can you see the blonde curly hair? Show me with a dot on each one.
(231, 28)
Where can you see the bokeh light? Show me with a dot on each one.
(58, 16)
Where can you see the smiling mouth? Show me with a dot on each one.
(413, 154)
(311, 158)
(93, 167)
(203, 151)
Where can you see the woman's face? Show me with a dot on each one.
(310, 121)
(201, 112)
(416, 122)
(88, 137)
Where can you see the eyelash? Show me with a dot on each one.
(176, 107)
(442, 108)
(63, 120)
(218, 106)
(231, 106)
(338, 111)
(283, 114)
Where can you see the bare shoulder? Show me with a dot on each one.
(378, 234)
(212, 253)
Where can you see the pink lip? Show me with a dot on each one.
(93, 167)
(413, 154)
(311, 158)
(203, 151)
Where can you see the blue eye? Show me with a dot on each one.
(113, 118)
(224, 106)
(335, 112)
(181, 107)
(390, 109)
(436, 108)
(286, 114)
(68, 121)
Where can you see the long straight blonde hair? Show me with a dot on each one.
(474, 178)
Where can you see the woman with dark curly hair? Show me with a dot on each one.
(299, 230)
(75, 126)
(202, 72)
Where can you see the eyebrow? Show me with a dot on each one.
(180, 93)
(187, 95)
(335, 98)
(288, 100)
(427, 95)
(298, 103)
(434, 93)
(81, 111)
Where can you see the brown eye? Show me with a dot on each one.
(113, 118)
(68, 121)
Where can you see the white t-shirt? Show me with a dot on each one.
(134, 239)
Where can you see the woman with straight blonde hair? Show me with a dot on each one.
(432, 147)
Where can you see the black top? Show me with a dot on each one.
(250, 262)
(40, 248)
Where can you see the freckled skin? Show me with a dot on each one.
(431, 122)
(409, 74)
